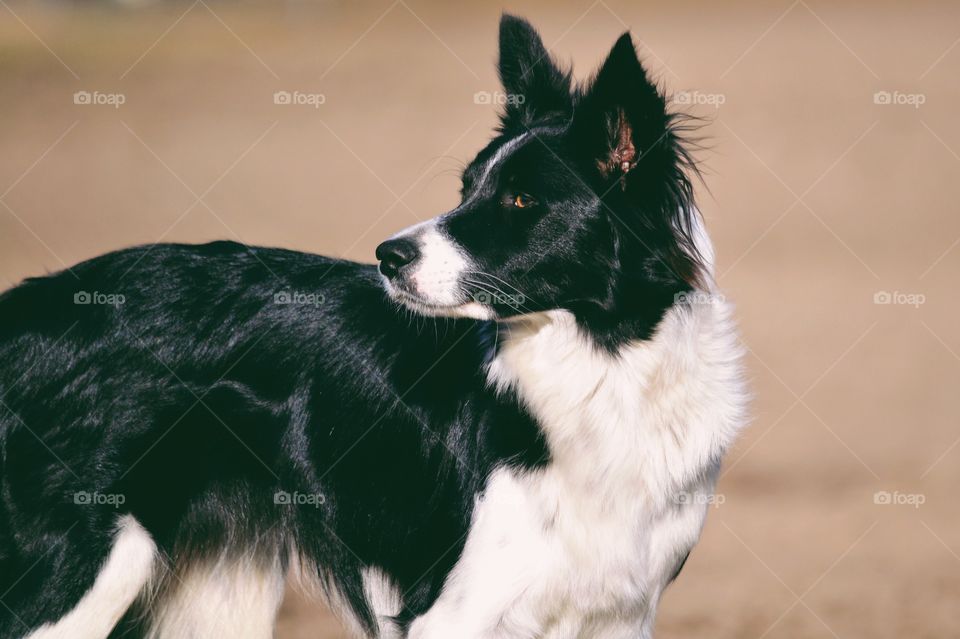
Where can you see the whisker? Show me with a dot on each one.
(499, 279)
(501, 293)
(498, 292)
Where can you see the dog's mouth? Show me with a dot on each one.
(426, 271)
(411, 299)
(468, 309)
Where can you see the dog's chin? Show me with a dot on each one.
(421, 306)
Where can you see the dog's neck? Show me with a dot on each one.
(648, 412)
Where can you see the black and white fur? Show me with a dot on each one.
(510, 431)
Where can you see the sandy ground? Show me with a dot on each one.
(820, 201)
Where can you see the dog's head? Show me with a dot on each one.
(582, 202)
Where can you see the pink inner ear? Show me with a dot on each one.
(623, 155)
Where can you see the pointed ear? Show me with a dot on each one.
(535, 86)
(623, 134)
(621, 119)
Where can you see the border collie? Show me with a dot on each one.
(510, 428)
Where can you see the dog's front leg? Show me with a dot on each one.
(508, 574)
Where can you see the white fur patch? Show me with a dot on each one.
(436, 276)
(121, 579)
(437, 273)
(384, 600)
(231, 597)
(584, 546)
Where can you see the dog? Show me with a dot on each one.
(510, 427)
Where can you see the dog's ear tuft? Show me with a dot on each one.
(621, 116)
(536, 87)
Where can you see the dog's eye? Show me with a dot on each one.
(522, 201)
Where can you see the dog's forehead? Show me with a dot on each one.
(496, 153)
(489, 160)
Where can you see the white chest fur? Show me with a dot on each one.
(584, 546)
(652, 417)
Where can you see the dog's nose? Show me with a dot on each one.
(395, 254)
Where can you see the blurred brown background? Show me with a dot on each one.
(834, 182)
